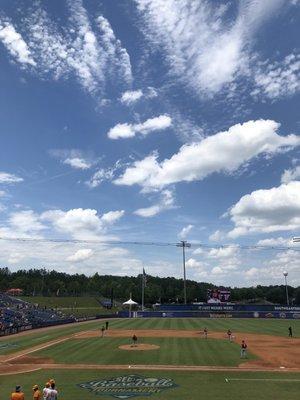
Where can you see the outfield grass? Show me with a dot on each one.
(172, 351)
(263, 326)
(38, 337)
(271, 327)
(190, 385)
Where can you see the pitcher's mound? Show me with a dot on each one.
(142, 346)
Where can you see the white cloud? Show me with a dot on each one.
(81, 255)
(131, 96)
(166, 202)
(203, 47)
(217, 271)
(22, 224)
(269, 210)
(252, 272)
(185, 231)
(279, 79)
(279, 241)
(112, 216)
(223, 152)
(7, 178)
(77, 163)
(224, 252)
(130, 130)
(84, 48)
(81, 223)
(75, 158)
(15, 258)
(192, 263)
(217, 236)
(100, 176)
(15, 44)
(2, 193)
(291, 175)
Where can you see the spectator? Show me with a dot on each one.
(36, 393)
(17, 394)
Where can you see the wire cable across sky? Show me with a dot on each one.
(149, 243)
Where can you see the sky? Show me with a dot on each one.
(151, 121)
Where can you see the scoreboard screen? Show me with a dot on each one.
(218, 295)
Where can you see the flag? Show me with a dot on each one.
(144, 278)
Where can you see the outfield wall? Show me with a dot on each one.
(217, 311)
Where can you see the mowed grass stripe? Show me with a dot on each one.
(275, 327)
(172, 351)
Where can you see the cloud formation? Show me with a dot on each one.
(77, 163)
(267, 210)
(166, 202)
(203, 47)
(124, 131)
(85, 48)
(81, 255)
(7, 178)
(291, 175)
(278, 79)
(131, 96)
(185, 231)
(224, 152)
(81, 223)
(15, 44)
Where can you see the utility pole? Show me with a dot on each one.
(184, 244)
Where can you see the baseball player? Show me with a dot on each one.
(106, 325)
(102, 331)
(244, 349)
(290, 332)
(205, 332)
(134, 340)
(36, 393)
(53, 393)
(229, 335)
(46, 391)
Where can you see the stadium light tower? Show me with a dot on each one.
(184, 244)
(285, 274)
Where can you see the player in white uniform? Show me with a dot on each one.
(46, 391)
(53, 394)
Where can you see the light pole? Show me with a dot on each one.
(285, 274)
(184, 244)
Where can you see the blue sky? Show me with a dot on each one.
(151, 120)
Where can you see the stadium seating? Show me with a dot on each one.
(17, 315)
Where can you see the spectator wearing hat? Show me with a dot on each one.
(36, 393)
(17, 394)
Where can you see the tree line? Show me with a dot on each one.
(41, 282)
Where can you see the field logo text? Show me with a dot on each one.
(127, 386)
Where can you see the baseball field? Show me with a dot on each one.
(171, 360)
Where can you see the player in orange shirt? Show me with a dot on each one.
(17, 394)
(36, 393)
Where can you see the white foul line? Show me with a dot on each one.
(261, 379)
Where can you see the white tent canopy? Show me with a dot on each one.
(129, 302)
